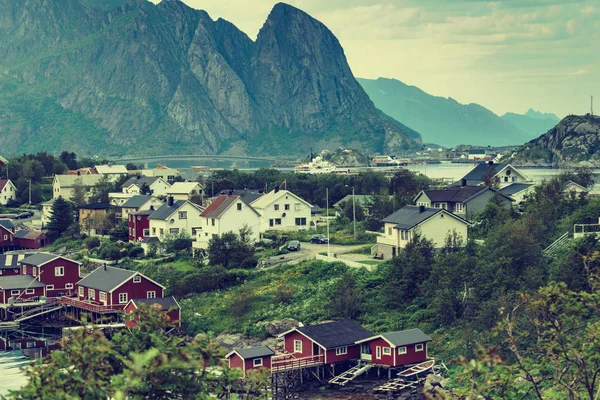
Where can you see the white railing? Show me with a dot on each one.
(286, 362)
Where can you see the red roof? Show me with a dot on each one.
(3, 183)
(218, 206)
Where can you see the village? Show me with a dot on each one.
(158, 208)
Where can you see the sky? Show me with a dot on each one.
(507, 55)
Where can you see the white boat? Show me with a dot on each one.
(417, 369)
(316, 166)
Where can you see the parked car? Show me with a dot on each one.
(24, 215)
(293, 245)
(319, 239)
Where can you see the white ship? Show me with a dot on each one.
(316, 166)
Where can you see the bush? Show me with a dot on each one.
(179, 244)
(110, 252)
(135, 252)
(249, 262)
(92, 243)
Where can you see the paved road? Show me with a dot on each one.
(308, 251)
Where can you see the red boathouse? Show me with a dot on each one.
(396, 348)
(168, 305)
(19, 288)
(250, 358)
(58, 273)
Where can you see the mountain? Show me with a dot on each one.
(441, 120)
(532, 121)
(575, 139)
(118, 77)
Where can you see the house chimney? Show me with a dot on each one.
(78, 173)
(421, 209)
(105, 266)
(151, 208)
(230, 192)
(170, 201)
(491, 162)
(276, 189)
(463, 182)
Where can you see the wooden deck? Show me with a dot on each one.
(287, 362)
(89, 306)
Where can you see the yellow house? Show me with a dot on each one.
(93, 218)
(434, 224)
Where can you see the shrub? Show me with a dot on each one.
(110, 252)
(135, 252)
(249, 262)
(92, 242)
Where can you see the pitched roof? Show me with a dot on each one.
(479, 172)
(166, 303)
(3, 183)
(106, 279)
(335, 334)
(150, 239)
(515, 188)
(30, 235)
(410, 216)
(410, 336)
(111, 169)
(19, 282)
(11, 261)
(221, 204)
(140, 180)
(455, 194)
(96, 206)
(252, 352)
(38, 259)
(165, 211)
(362, 199)
(136, 201)
(315, 209)
(7, 224)
(67, 181)
(571, 183)
(270, 197)
(182, 187)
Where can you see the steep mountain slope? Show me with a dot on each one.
(532, 121)
(576, 138)
(442, 120)
(129, 77)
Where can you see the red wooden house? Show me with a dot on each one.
(139, 225)
(250, 358)
(396, 348)
(18, 288)
(7, 231)
(114, 287)
(167, 304)
(59, 274)
(332, 341)
(25, 239)
(9, 264)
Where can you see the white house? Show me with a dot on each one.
(502, 174)
(114, 172)
(162, 171)
(174, 217)
(434, 224)
(575, 189)
(282, 210)
(227, 214)
(8, 191)
(158, 186)
(62, 185)
(518, 191)
(139, 203)
(185, 190)
(46, 211)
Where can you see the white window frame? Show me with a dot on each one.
(59, 271)
(29, 291)
(92, 294)
(24, 270)
(123, 298)
(146, 232)
(34, 271)
(151, 294)
(15, 292)
(275, 207)
(51, 287)
(422, 203)
(387, 351)
(419, 347)
(67, 286)
(81, 291)
(378, 352)
(102, 297)
(137, 279)
(459, 208)
(340, 351)
(297, 349)
(401, 350)
(182, 214)
(297, 207)
(257, 364)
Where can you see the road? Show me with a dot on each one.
(308, 251)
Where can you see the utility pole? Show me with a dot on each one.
(30, 192)
(354, 211)
(327, 197)
(592, 106)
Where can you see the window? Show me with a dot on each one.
(419, 347)
(276, 207)
(81, 292)
(389, 231)
(162, 231)
(257, 362)
(34, 271)
(30, 291)
(139, 218)
(514, 178)
(277, 221)
(300, 221)
(402, 350)
(437, 205)
(146, 232)
(174, 230)
(30, 345)
(67, 286)
(271, 222)
(341, 350)
(387, 351)
(51, 287)
(15, 292)
(154, 231)
(92, 294)
(404, 235)
(286, 207)
(297, 346)
(59, 271)
(239, 208)
(296, 206)
(182, 214)
(422, 203)
(122, 298)
(5, 236)
(506, 179)
(213, 222)
(137, 279)
(103, 297)
(378, 352)
(459, 208)
(151, 295)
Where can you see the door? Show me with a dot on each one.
(378, 352)
(365, 352)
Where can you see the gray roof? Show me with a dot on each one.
(255, 352)
(402, 338)
(19, 282)
(106, 280)
(165, 211)
(11, 261)
(66, 181)
(136, 201)
(336, 334)
(150, 239)
(38, 259)
(515, 188)
(409, 216)
(478, 173)
(139, 181)
(166, 303)
(315, 209)
(363, 199)
(7, 224)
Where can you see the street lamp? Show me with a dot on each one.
(328, 239)
(30, 192)
(353, 211)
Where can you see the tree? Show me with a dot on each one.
(230, 250)
(131, 167)
(79, 193)
(102, 188)
(69, 159)
(61, 218)
(346, 298)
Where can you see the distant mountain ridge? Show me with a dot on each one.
(532, 121)
(129, 77)
(447, 122)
